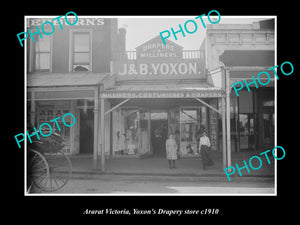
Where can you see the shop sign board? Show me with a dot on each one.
(80, 21)
(213, 126)
(155, 49)
(155, 58)
(162, 94)
(190, 67)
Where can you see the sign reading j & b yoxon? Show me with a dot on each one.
(184, 67)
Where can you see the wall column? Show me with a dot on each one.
(32, 109)
(102, 139)
(224, 133)
(96, 116)
(73, 129)
(228, 133)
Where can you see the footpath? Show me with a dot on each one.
(82, 168)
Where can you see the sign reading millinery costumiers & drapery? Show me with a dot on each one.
(162, 94)
(155, 58)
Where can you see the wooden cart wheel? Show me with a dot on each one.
(60, 170)
(37, 170)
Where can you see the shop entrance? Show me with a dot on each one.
(159, 132)
(268, 130)
(86, 131)
(246, 131)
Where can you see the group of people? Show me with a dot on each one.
(172, 150)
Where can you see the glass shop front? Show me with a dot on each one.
(140, 129)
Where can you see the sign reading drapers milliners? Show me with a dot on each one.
(154, 48)
(155, 58)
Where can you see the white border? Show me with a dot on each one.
(139, 194)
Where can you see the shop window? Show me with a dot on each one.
(85, 102)
(268, 103)
(42, 53)
(65, 131)
(125, 132)
(268, 129)
(144, 117)
(45, 114)
(81, 58)
(192, 123)
(49, 112)
(174, 122)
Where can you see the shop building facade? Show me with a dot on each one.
(159, 90)
(65, 72)
(127, 103)
(162, 89)
(245, 50)
(161, 84)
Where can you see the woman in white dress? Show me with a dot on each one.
(171, 149)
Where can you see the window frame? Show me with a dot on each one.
(71, 48)
(33, 53)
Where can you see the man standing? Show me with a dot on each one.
(204, 145)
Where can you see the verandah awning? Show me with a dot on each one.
(64, 86)
(64, 79)
(203, 90)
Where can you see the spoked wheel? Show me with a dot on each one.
(38, 171)
(60, 170)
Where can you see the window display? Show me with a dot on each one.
(125, 132)
(192, 123)
(45, 113)
(144, 133)
(135, 130)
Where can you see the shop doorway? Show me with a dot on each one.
(246, 128)
(268, 129)
(266, 117)
(86, 131)
(159, 132)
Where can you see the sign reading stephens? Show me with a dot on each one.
(80, 21)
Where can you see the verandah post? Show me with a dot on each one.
(228, 89)
(102, 135)
(224, 133)
(96, 115)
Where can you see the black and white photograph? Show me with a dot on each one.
(178, 109)
(166, 114)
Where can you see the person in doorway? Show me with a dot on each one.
(171, 149)
(120, 143)
(204, 145)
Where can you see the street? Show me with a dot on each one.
(110, 184)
